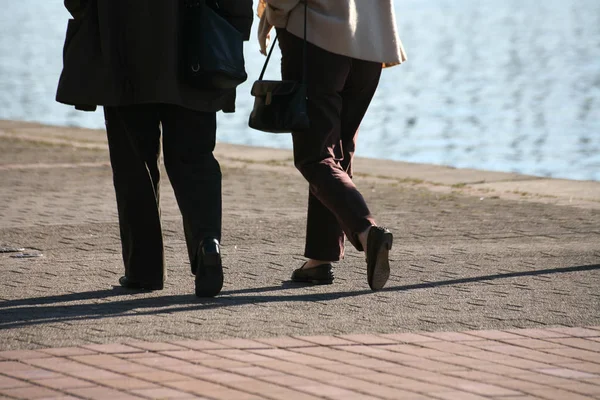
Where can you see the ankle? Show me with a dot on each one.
(363, 236)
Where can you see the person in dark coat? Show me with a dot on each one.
(126, 56)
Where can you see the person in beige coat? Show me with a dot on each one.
(349, 42)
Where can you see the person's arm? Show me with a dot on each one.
(278, 11)
(76, 7)
(272, 13)
(238, 13)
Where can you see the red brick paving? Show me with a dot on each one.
(555, 363)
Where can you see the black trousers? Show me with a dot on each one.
(188, 139)
(340, 90)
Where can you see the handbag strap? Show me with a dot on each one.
(304, 66)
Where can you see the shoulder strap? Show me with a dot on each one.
(304, 66)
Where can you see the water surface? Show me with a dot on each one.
(506, 85)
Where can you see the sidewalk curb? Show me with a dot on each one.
(442, 179)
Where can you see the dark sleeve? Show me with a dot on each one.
(76, 7)
(239, 13)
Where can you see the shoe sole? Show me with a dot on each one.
(142, 286)
(381, 270)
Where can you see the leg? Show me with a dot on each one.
(134, 144)
(318, 152)
(324, 235)
(358, 92)
(323, 230)
(189, 141)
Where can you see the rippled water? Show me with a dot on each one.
(507, 85)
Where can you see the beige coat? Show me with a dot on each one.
(362, 29)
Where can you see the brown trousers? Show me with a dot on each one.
(340, 90)
(134, 140)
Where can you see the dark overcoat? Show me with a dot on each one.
(125, 52)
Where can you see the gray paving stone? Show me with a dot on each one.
(458, 262)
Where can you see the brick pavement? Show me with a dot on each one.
(560, 363)
(463, 260)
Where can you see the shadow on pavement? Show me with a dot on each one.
(51, 309)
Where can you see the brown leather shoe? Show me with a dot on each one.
(379, 243)
(319, 275)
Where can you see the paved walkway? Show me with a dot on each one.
(511, 261)
(559, 363)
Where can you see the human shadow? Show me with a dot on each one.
(52, 309)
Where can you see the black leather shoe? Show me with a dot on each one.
(129, 284)
(319, 275)
(209, 270)
(379, 243)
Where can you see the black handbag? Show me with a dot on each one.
(280, 106)
(213, 48)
